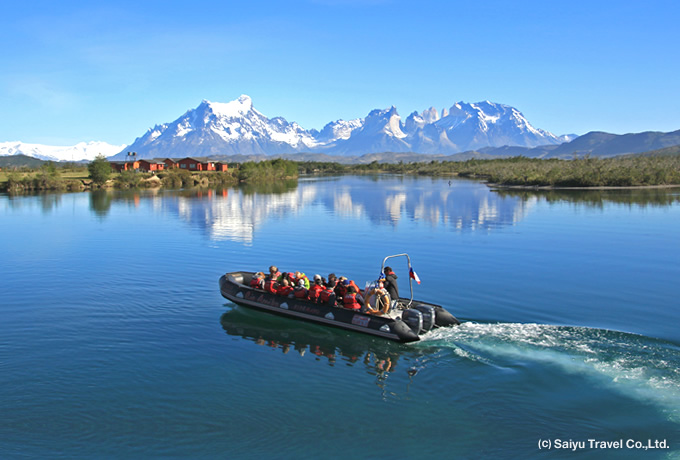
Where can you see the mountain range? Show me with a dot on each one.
(79, 152)
(465, 130)
(237, 128)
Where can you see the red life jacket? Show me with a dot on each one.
(350, 301)
(257, 283)
(341, 290)
(326, 295)
(314, 292)
(270, 286)
(300, 292)
(284, 290)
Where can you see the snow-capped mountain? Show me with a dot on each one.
(379, 132)
(336, 130)
(215, 128)
(473, 126)
(81, 151)
(236, 127)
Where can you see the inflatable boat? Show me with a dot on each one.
(406, 321)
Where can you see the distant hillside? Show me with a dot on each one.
(668, 151)
(599, 144)
(596, 144)
(19, 161)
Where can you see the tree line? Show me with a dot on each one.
(624, 171)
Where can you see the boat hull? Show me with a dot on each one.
(233, 287)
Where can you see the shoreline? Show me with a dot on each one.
(597, 187)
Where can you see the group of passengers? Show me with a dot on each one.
(335, 291)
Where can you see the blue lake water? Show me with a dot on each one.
(115, 341)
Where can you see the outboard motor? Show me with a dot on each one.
(428, 316)
(414, 319)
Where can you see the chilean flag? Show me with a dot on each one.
(413, 275)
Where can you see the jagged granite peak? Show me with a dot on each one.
(385, 121)
(414, 122)
(381, 132)
(483, 124)
(339, 129)
(430, 115)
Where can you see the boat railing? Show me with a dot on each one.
(410, 280)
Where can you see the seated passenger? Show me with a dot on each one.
(290, 276)
(301, 276)
(285, 289)
(352, 300)
(332, 281)
(300, 291)
(257, 281)
(270, 285)
(343, 285)
(327, 296)
(341, 288)
(274, 273)
(315, 290)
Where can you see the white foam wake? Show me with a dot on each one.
(641, 367)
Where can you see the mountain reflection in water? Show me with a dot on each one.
(456, 205)
(463, 205)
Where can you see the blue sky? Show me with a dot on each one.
(77, 71)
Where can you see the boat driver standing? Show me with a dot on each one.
(390, 283)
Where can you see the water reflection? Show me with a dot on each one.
(100, 202)
(47, 202)
(655, 197)
(455, 205)
(461, 206)
(378, 358)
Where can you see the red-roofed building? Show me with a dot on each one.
(152, 165)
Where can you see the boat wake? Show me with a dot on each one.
(641, 367)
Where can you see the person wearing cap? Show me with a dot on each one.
(343, 285)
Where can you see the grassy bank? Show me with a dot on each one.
(630, 171)
(50, 176)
